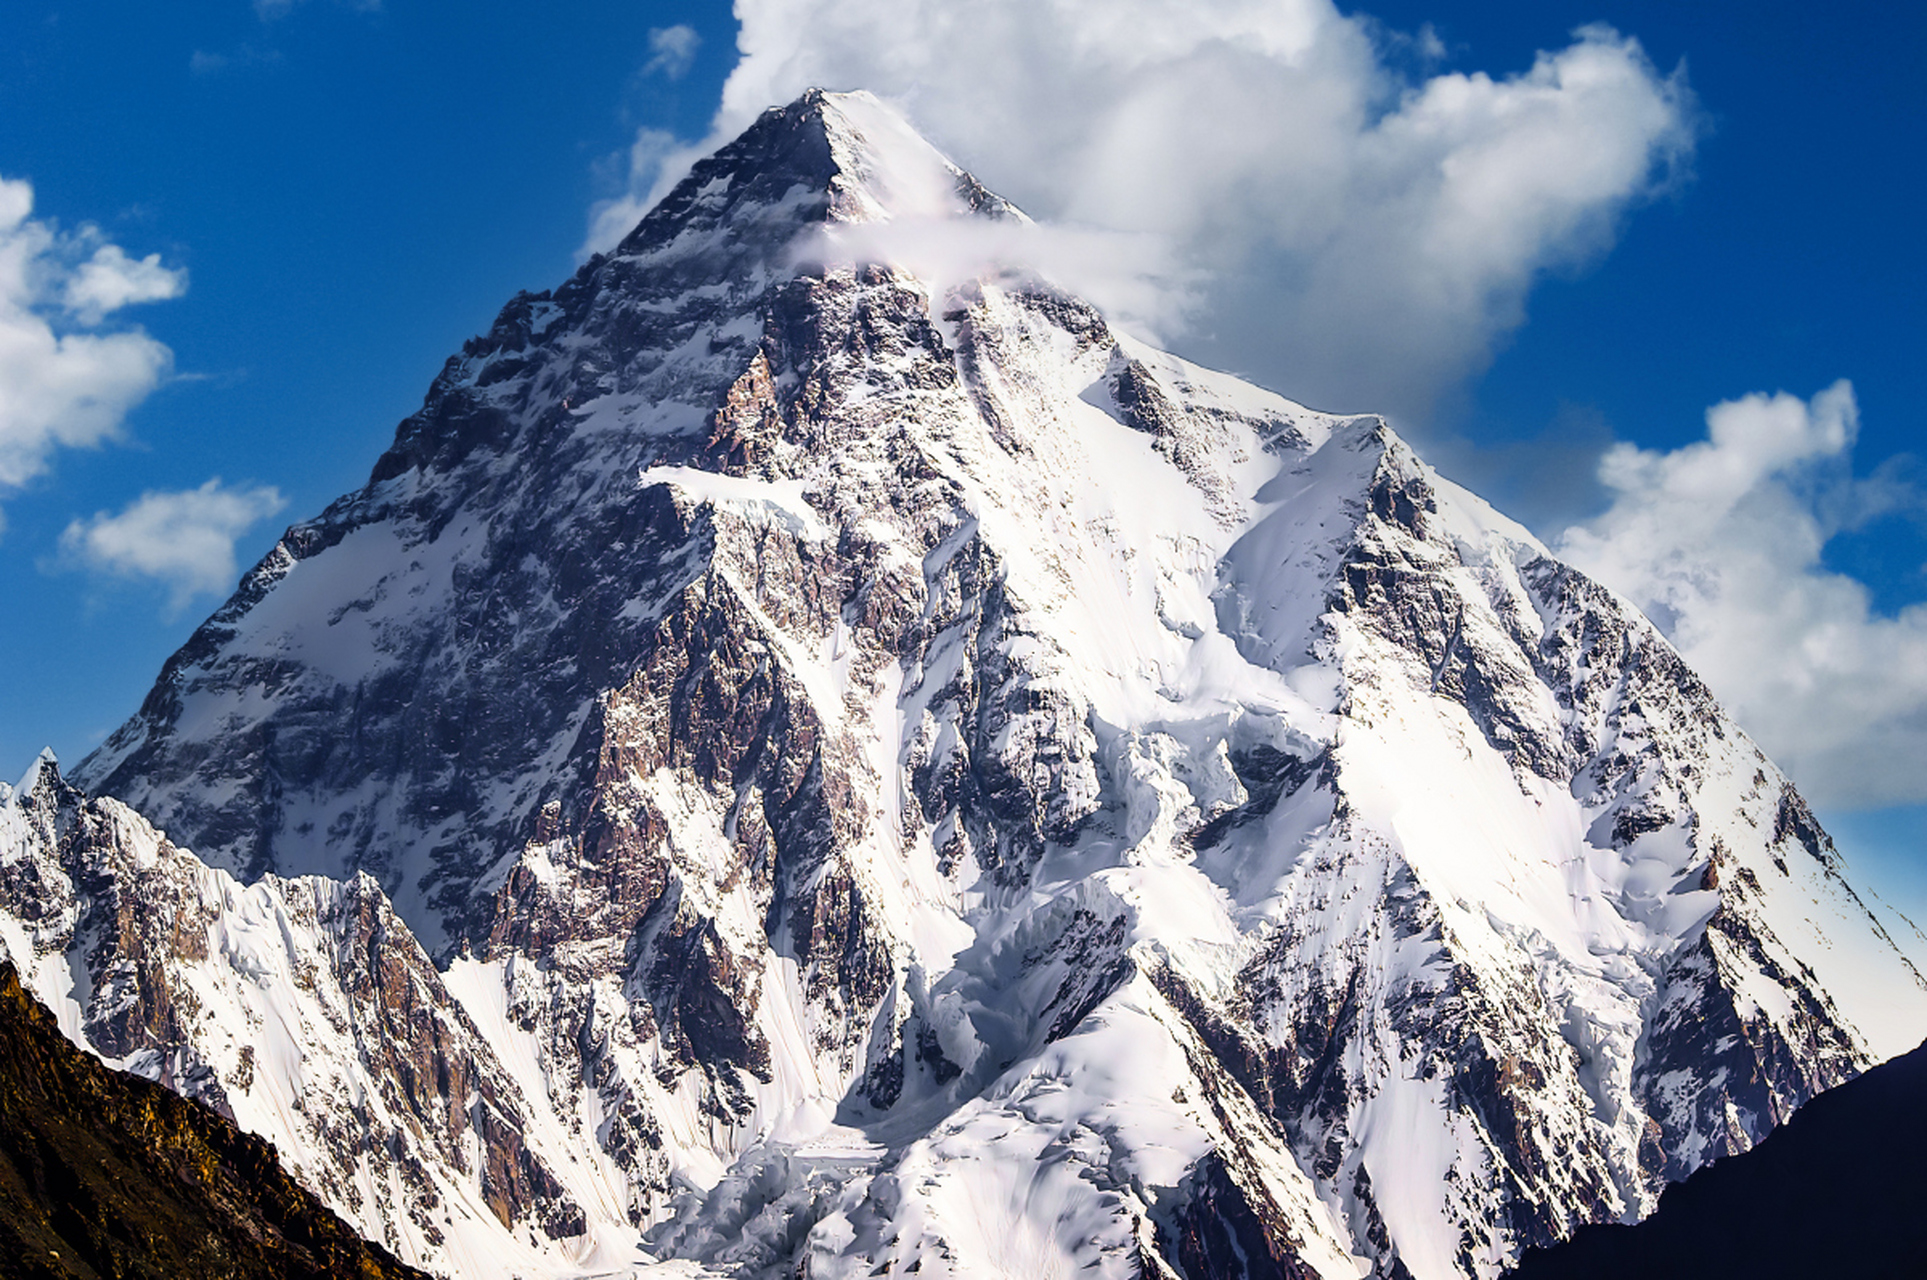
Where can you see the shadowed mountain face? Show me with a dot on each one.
(1838, 1190)
(794, 764)
(103, 1174)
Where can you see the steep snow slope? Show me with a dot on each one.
(906, 775)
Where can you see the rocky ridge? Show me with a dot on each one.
(302, 1010)
(905, 775)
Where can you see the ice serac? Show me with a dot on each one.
(911, 777)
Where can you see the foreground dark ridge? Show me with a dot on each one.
(107, 1174)
(1834, 1191)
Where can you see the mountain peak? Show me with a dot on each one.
(826, 157)
(889, 171)
(905, 747)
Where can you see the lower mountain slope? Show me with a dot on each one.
(305, 1012)
(1835, 1191)
(103, 1174)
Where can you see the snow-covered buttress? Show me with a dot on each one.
(896, 776)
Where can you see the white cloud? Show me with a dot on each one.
(672, 51)
(1364, 238)
(1721, 542)
(61, 386)
(206, 63)
(183, 540)
(111, 280)
(656, 158)
(1130, 276)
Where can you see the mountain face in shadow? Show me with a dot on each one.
(1836, 1190)
(106, 1174)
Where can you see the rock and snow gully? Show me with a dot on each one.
(792, 768)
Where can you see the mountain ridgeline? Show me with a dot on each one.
(789, 767)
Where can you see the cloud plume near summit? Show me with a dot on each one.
(1299, 195)
(1357, 234)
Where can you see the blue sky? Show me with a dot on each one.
(353, 189)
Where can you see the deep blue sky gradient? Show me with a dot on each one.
(354, 192)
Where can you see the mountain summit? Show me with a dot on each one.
(503, 549)
(895, 776)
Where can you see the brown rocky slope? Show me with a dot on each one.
(104, 1174)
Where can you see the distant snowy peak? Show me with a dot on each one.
(897, 772)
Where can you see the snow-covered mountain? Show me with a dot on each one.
(894, 774)
(304, 1011)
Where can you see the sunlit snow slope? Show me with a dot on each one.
(896, 775)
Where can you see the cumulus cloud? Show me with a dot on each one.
(62, 384)
(1721, 543)
(183, 540)
(672, 51)
(1364, 237)
(111, 280)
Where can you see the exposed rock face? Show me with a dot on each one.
(1217, 1231)
(908, 777)
(105, 1174)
